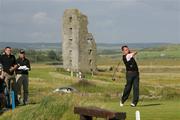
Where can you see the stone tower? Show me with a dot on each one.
(78, 45)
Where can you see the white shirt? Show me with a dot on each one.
(129, 56)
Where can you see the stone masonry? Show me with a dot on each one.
(78, 45)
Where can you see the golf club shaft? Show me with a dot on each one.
(113, 77)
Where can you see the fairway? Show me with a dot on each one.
(151, 110)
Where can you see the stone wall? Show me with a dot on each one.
(78, 46)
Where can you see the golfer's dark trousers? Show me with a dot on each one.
(132, 78)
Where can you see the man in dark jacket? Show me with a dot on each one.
(2, 89)
(22, 75)
(132, 76)
(9, 64)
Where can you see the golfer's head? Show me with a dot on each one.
(125, 49)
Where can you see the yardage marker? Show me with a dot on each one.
(137, 115)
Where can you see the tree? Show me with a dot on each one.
(52, 55)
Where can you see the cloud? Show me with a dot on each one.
(163, 4)
(42, 18)
(43, 36)
(109, 20)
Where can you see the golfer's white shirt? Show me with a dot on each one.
(129, 56)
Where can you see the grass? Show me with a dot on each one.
(49, 108)
(55, 107)
(151, 110)
(159, 90)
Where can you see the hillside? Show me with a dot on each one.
(100, 46)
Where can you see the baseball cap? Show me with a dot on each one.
(21, 51)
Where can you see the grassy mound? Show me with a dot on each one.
(50, 108)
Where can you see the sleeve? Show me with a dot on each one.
(0, 59)
(28, 65)
(15, 61)
(129, 56)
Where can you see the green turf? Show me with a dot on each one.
(159, 90)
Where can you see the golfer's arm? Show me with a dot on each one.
(133, 53)
(29, 66)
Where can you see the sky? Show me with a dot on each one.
(110, 21)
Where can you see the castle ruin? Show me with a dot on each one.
(78, 45)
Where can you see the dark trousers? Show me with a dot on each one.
(132, 81)
(22, 80)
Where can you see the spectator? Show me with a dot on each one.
(22, 76)
(9, 64)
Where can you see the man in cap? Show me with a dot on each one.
(22, 78)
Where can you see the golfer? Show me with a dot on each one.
(132, 76)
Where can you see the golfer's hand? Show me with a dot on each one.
(133, 53)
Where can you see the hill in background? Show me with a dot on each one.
(100, 46)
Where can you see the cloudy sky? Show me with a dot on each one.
(110, 21)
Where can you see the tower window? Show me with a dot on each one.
(70, 19)
(90, 52)
(70, 42)
(90, 62)
(70, 62)
(70, 31)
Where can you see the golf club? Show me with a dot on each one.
(114, 73)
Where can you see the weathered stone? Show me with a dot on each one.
(78, 45)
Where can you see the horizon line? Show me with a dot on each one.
(96, 42)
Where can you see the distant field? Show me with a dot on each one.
(165, 55)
